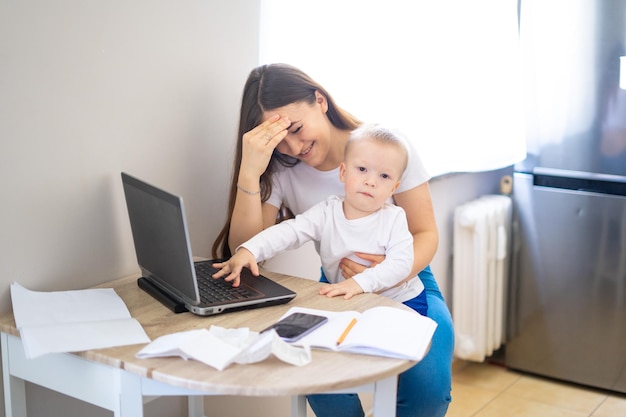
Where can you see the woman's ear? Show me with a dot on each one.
(321, 100)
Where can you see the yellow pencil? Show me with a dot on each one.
(345, 332)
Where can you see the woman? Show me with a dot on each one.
(292, 137)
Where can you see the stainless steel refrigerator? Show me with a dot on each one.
(567, 298)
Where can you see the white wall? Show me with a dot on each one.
(89, 88)
(448, 192)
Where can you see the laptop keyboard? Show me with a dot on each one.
(217, 290)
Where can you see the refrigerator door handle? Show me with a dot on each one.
(573, 180)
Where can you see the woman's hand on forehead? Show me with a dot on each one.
(272, 131)
(258, 145)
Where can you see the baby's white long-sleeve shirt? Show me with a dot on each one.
(384, 232)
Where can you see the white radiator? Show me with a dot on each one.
(482, 230)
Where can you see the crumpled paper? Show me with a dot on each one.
(219, 347)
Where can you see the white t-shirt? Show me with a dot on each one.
(383, 232)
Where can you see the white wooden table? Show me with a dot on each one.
(117, 381)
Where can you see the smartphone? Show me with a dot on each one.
(297, 325)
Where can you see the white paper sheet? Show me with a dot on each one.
(72, 321)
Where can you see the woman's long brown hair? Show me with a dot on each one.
(269, 87)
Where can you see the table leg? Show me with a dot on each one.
(298, 406)
(14, 388)
(195, 404)
(131, 399)
(385, 392)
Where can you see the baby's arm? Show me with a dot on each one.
(242, 258)
(398, 261)
(289, 234)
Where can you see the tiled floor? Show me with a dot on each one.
(490, 390)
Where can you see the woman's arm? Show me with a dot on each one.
(418, 205)
(250, 216)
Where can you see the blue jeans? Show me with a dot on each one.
(423, 390)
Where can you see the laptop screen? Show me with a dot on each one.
(161, 239)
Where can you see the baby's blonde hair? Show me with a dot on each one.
(380, 134)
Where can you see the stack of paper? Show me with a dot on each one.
(72, 321)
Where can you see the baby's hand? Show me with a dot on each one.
(234, 265)
(347, 288)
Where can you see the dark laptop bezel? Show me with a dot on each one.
(155, 265)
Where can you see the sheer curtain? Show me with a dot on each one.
(445, 72)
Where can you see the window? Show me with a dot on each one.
(445, 72)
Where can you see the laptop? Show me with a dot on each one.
(169, 274)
